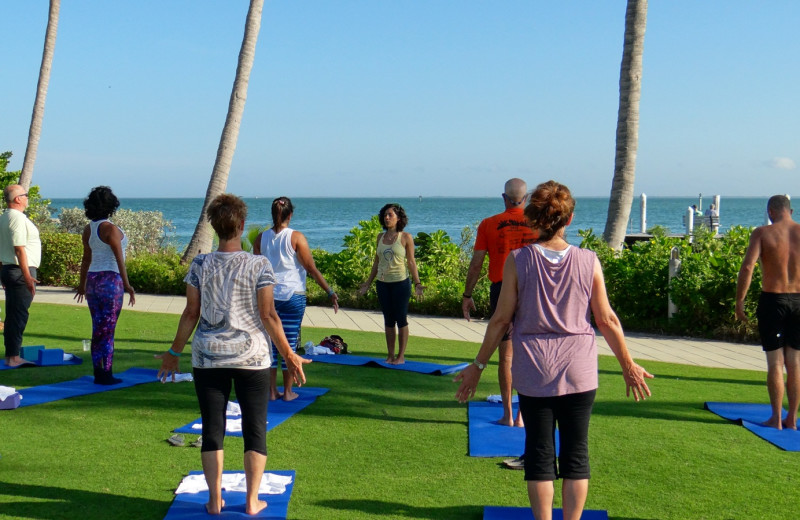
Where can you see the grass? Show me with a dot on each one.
(381, 443)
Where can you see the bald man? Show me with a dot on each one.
(777, 247)
(20, 253)
(498, 235)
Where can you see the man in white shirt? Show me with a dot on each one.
(20, 254)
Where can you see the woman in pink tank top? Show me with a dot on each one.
(550, 290)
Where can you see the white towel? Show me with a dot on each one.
(233, 408)
(182, 377)
(68, 356)
(6, 391)
(318, 350)
(231, 425)
(271, 483)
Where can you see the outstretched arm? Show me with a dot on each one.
(611, 329)
(307, 261)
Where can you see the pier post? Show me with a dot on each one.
(674, 267)
(643, 213)
(689, 223)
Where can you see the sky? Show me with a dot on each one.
(398, 98)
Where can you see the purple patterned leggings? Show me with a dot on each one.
(104, 294)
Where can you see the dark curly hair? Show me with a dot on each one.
(402, 218)
(282, 209)
(101, 203)
(226, 213)
(550, 207)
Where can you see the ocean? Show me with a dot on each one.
(326, 221)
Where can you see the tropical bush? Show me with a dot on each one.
(38, 208)
(61, 259)
(157, 273)
(704, 291)
(146, 230)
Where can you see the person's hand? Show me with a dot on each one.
(169, 367)
(335, 300)
(80, 293)
(129, 290)
(740, 315)
(30, 283)
(469, 378)
(635, 381)
(363, 288)
(294, 367)
(418, 288)
(467, 305)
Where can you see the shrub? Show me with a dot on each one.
(159, 273)
(61, 259)
(146, 230)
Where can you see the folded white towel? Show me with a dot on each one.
(318, 350)
(68, 356)
(231, 425)
(233, 408)
(183, 377)
(6, 391)
(271, 483)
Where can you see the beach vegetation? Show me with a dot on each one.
(38, 208)
(157, 273)
(147, 231)
(61, 259)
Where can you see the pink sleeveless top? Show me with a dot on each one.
(554, 344)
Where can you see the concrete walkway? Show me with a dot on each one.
(687, 351)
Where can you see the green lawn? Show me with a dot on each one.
(381, 443)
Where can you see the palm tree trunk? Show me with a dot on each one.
(202, 239)
(35, 130)
(630, 88)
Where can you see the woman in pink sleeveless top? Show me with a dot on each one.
(550, 290)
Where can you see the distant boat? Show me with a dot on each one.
(420, 198)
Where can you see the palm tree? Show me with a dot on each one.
(202, 238)
(35, 130)
(630, 88)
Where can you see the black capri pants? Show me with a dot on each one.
(571, 414)
(213, 388)
(393, 297)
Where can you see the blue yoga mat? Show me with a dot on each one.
(277, 411)
(32, 363)
(524, 513)
(84, 386)
(751, 415)
(193, 505)
(409, 366)
(489, 439)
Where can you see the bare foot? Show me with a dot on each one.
(274, 396)
(214, 509)
(399, 360)
(260, 505)
(790, 424)
(390, 360)
(505, 421)
(290, 396)
(17, 361)
(519, 422)
(773, 422)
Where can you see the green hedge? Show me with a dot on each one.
(160, 273)
(61, 259)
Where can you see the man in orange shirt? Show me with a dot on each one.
(498, 235)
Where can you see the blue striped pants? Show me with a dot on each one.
(291, 313)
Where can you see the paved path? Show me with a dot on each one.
(685, 351)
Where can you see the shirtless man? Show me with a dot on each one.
(777, 246)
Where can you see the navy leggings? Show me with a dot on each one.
(393, 297)
(213, 388)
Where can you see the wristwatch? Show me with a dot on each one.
(478, 364)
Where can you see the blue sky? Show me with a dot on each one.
(402, 98)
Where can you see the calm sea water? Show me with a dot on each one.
(326, 221)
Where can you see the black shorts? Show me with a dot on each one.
(494, 297)
(570, 413)
(779, 320)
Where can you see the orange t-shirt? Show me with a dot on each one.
(500, 234)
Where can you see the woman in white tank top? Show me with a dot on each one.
(104, 279)
(291, 259)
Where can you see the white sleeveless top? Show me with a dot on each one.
(290, 276)
(103, 258)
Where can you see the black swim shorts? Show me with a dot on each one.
(779, 320)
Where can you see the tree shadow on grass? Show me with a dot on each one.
(385, 508)
(755, 382)
(46, 502)
(663, 410)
